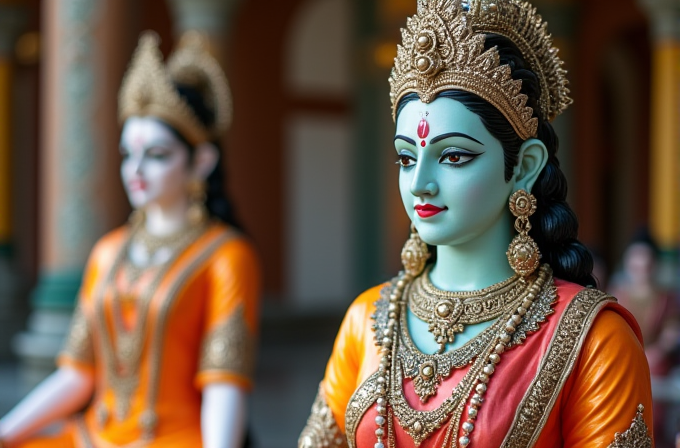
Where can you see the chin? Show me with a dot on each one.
(435, 235)
(138, 201)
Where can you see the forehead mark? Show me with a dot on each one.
(423, 128)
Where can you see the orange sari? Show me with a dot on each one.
(199, 327)
(578, 379)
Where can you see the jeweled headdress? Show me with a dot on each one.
(443, 49)
(149, 87)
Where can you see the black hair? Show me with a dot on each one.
(554, 225)
(218, 204)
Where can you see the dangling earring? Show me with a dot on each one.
(523, 254)
(415, 253)
(197, 213)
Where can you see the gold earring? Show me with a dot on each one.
(197, 213)
(415, 253)
(523, 254)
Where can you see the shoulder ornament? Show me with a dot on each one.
(321, 430)
(637, 436)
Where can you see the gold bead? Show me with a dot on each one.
(424, 41)
(443, 310)
(423, 64)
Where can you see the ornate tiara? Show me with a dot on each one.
(518, 21)
(443, 49)
(149, 87)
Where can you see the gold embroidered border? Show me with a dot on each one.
(321, 430)
(229, 347)
(362, 399)
(79, 343)
(637, 436)
(156, 352)
(555, 368)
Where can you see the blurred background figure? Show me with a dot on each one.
(161, 348)
(636, 285)
(309, 165)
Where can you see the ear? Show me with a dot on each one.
(533, 156)
(206, 156)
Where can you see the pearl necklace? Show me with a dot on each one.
(501, 342)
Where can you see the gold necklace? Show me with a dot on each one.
(421, 424)
(123, 357)
(428, 371)
(447, 312)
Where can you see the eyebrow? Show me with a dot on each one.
(406, 139)
(453, 134)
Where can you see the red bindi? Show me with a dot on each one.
(423, 128)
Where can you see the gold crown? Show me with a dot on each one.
(148, 88)
(518, 21)
(442, 49)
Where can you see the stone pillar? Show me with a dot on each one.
(78, 180)
(665, 131)
(12, 20)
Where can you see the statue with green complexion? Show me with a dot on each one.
(453, 187)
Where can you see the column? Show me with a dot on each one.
(79, 183)
(12, 20)
(665, 132)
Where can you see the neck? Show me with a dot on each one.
(166, 220)
(475, 264)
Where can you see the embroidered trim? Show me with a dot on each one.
(637, 436)
(366, 395)
(555, 368)
(79, 343)
(229, 347)
(362, 399)
(321, 430)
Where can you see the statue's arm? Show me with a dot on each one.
(61, 394)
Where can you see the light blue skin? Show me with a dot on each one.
(466, 177)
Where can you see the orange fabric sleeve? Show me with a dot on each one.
(232, 314)
(611, 378)
(344, 365)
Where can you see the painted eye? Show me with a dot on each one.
(406, 161)
(456, 158)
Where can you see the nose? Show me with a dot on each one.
(423, 184)
(137, 164)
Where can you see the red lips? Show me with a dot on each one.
(137, 185)
(428, 210)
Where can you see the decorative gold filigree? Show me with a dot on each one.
(518, 21)
(637, 436)
(230, 347)
(124, 386)
(148, 88)
(362, 399)
(555, 368)
(414, 254)
(321, 430)
(447, 312)
(440, 51)
(79, 342)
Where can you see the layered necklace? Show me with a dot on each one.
(123, 348)
(508, 301)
